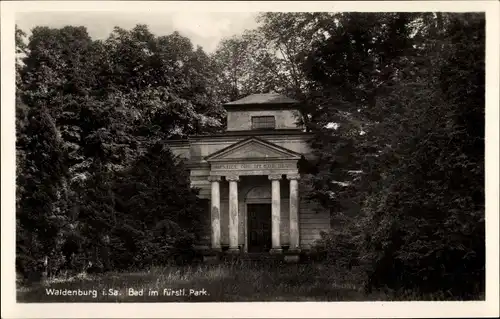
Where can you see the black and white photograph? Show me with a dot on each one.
(266, 154)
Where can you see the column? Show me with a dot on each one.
(275, 213)
(294, 211)
(233, 213)
(215, 212)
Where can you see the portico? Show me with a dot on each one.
(232, 163)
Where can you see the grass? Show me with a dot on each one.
(241, 281)
(224, 282)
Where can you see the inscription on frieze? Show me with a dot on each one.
(253, 166)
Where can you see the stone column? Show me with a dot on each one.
(215, 212)
(233, 213)
(294, 211)
(275, 213)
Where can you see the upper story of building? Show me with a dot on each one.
(267, 118)
(262, 112)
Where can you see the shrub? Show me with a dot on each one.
(339, 248)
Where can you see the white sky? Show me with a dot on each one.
(202, 28)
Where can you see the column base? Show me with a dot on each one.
(233, 250)
(276, 251)
(292, 255)
(293, 251)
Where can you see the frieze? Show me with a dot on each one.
(253, 166)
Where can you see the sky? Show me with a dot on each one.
(202, 28)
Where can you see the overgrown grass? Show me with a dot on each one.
(241, 281)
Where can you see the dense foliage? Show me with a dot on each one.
(395, 101)
(408, 95)
(94, 181)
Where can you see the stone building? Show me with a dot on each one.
(250, 179)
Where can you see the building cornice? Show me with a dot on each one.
(218, 138)
(261, 107)
(256, 133)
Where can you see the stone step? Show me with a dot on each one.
(253, 257)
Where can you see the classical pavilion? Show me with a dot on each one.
(249, 178)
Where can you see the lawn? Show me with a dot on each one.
(241, 281)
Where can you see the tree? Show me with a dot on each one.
(270, 58)
(346, 79)
(37, 218)
(398, 80)
(58, 73)
(162, 83)
(21, 109)
(159, 212)
(98, 107)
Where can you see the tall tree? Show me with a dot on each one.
(158, 211)
(38, 219)
(392, 82)
(269, 58)
(163, 82)
(349, 73)
(21, 109)
(104, 104)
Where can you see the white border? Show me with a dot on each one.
(270, 309)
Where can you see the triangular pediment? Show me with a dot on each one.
(253, 148)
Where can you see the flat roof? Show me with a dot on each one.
(264, 98)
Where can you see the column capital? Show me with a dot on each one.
(232, 178)
(212, 178)
(293, 176)
(274, 177)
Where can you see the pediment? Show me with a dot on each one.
(253, 148)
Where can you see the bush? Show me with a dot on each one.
(338, 248)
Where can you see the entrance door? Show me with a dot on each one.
(259, 227)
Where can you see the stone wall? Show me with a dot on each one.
(241, 120)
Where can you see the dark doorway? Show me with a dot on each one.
(259, 227)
